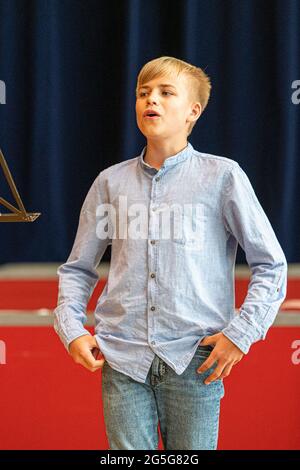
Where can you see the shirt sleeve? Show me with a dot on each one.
(78, 275)
(245, 219)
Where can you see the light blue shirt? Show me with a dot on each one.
(164, 294)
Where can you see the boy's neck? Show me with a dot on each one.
(158, 151)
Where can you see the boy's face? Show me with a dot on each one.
(173, 103)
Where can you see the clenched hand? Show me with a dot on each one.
(85, 351)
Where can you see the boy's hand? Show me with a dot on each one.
(225, 353)
(85, 350)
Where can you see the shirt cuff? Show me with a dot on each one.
(242, 333)
(69, 329)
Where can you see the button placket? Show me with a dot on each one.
(152, 256)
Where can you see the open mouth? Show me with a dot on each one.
(151, 116)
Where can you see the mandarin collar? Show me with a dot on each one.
(169, 161)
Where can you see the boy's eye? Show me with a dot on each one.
(144, 93)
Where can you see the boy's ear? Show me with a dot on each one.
(196, 111)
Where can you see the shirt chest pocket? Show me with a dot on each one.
(190, 227)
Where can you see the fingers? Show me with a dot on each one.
(226, 371)
(222, 370)
(225, 353)
(219, 373)
(210, 340)
(207, 364)
(89, 362)
(215, 374)
(85, 351)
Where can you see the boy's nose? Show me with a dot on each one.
(152, 99)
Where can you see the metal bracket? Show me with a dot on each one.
(17, 214)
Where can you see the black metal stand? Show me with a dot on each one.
(17, 214)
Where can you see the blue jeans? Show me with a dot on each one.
(186, 409)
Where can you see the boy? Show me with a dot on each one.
(166, 329)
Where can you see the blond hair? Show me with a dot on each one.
(200, 85)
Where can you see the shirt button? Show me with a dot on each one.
(152, 308)
(152, 275)
(152, 242)
(157, 178)
(153, 342)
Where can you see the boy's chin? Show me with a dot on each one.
(152, 134)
